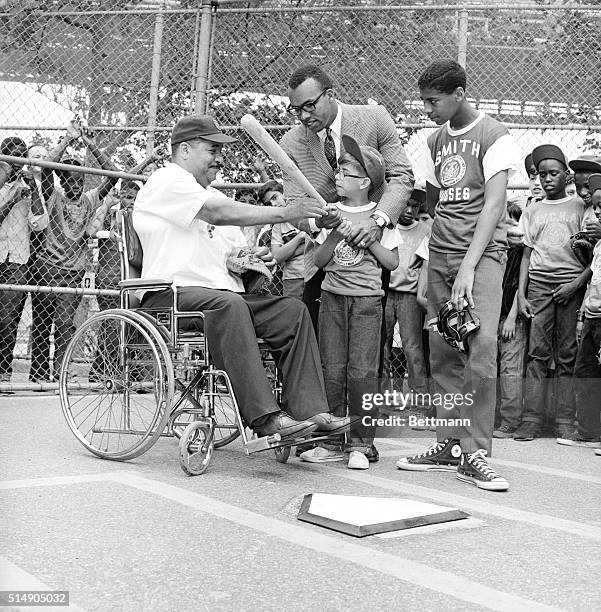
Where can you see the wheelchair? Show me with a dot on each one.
(150, 375)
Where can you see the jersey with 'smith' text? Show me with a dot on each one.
(460, 162)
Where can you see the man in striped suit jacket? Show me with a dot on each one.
(315, 146)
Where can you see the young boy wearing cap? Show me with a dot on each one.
(350, 316)
(468, 162)
(587, 371)
(583, 167)
(401, 300)
(287, 243)
(551, 288)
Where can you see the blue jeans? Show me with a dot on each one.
(512, 363)
(349, 344)
(552, 334)
(403, 307)
(587, 375)
(475, 373)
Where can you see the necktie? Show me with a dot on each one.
(330, 149)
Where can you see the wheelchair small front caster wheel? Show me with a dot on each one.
(195, 448)
(282, 453)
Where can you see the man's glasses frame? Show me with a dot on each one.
(307, 107)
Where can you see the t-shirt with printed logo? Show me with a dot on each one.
(460, 163)
(354, 271)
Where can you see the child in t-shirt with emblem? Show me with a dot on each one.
(468, 161)
(350, 315)
(551, 289)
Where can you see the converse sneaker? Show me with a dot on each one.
(474, 469)
(442, 456)
(575, 439)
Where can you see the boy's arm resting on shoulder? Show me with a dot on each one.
(495, 201)
(323, 252)
(387, 258)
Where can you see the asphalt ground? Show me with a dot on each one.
(141, 535)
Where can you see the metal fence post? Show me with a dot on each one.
(204, 56)
(462, 37)
(155, 77)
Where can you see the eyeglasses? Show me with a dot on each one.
(344, 174)
(307, 107)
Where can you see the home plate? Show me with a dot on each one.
(361, 516)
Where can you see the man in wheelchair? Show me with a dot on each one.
(187, 230)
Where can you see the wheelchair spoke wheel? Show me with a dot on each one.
(125, 407)
(226, 429)
(196, 448)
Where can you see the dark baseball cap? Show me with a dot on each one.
(198, 126)
(369, 158)
(594, 182)
(586, 163)
(548, 151)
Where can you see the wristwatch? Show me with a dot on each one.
(380, 221)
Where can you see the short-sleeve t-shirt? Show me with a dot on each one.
(460, 163)
(548, 226)
(178, 246)
(353, 271)
(295, 266)
(404, 278)
(65, 241)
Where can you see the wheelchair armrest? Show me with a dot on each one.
(145, 283)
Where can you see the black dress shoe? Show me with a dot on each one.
(328, 423)
(287, 427)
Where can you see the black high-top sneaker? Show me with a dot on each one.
(442, 456)
(474, 469)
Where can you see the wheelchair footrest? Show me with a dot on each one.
(265, 443)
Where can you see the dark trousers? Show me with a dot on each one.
(587, 375)
(10, 311)
(312, 297)
(552, 335)
(474, 374)
(49, 308)
(349, 342)
(233, 322)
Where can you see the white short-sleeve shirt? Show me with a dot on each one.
(176, 245)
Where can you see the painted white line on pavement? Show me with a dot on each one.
(467, 523)
(13, 578)
(53, 481)
(521, 465)
(412, 572)
(584, 530)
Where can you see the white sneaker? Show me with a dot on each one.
(357, 461)
(321, 455)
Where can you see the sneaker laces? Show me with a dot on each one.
(478, 460)
(434, 449)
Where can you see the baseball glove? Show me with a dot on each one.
(582, 246)
(251, 269)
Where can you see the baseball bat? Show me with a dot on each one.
(260, 135)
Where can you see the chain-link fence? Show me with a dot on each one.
(130, 69)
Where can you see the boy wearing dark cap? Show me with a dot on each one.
(551, 288)
(583, 167)
(468, 162)
(587, 371)
(350, 318)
